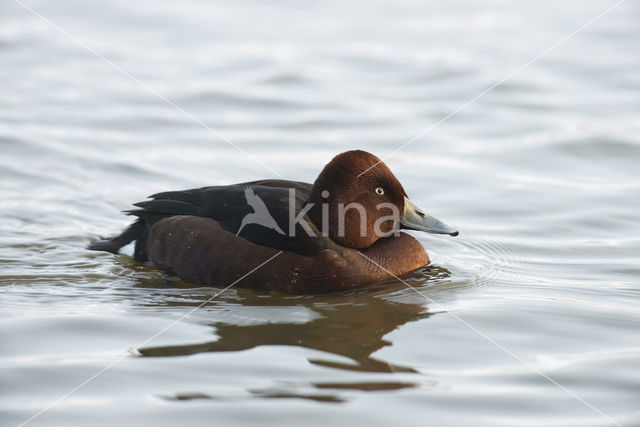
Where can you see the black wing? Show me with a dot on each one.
(228, 205)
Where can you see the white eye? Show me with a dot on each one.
(380, 191)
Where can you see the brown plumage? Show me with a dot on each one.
(200, 234)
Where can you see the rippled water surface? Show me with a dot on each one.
(529, 317)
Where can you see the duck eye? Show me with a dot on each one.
(380, 191)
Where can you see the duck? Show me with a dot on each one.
(339, 233)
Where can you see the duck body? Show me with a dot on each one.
(277, 234)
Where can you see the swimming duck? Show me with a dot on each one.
(339, 233)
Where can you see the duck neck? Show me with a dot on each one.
(396, 254)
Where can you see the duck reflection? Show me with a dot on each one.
(351, 325)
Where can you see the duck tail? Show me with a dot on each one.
(136, 231)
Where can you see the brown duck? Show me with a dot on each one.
(339, 233)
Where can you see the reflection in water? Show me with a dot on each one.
(279, 393)
(351, 325)
(329, 398)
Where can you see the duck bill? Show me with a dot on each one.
(414, 218)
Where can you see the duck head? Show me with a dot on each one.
(356, 210)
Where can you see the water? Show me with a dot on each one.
(529, 317)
